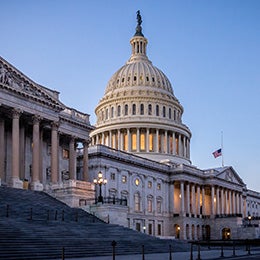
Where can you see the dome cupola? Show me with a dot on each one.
(139, 112)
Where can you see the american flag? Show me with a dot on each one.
(217, 153)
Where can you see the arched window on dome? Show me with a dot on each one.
(126, 110)
(142, 109)
(174, 115)
(112, 112)
(150, 110)
(164, 111)
(157, 110)
(119, 110)
(134, 109)
(170, 113)
(106, 113)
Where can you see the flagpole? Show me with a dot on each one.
(222, 149)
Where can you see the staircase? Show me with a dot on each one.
(35, 226)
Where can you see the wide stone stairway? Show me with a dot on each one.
(34, 225)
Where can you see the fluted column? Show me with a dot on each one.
(203, 200)
(198, 200)
(179, 145)
(36, 185)
(119, 141)
(166, 149)
(226, 202)
(173, 143)
(217, 201)
(85, 160)
(184, 146)
(182, 198)
(72, 159)
(222, 202)
(2, 149)
(110, 138)
(237, 204)
(157, 140)
(54, 152)
(128, 140)
(230, 202)
(15, 178)
(212, 200)
(193, 201)
(234, 202)
(188, 198)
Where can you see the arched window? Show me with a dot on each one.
(141, 109)
(118, 110)
(157, 110)
(164, 111)
(126, 110)
(107, 113)
(170, 113)
(134, 109)
(150, 110)
(112, 112)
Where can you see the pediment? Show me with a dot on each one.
(11, 79)
(229, 174)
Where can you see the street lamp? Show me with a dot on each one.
(100, 181)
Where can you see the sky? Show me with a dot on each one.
(209, 50)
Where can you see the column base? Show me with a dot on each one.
(36, 186)
(16, 183)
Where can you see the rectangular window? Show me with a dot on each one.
(151, 144)
(150, 229)
(124, 179)
(159, 206)
(158, 186)
(159, 229)
(133, 141)
(138, 226)
(150, 205)
(112, 176)
(142, 141)
(65, 154)
(150, 184)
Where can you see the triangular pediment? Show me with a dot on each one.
(11, 79)
(229, 174)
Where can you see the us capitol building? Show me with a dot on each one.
(135, 161)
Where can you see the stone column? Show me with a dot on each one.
(193, 199)
(15, 177)
(212, 201)
(147, 140)
(188, 198)
(234, 202)
(2, 149)
(173, 143)
(157, 140)
(171, 197)
(230, 202)
(85, 160)
(217, 201)
(129, 140)
(72, 159)
(36, 185)
(138, 139)
(198, 200)
(182, 199)
(184, 147)
(119, 141)
(179, 146)
(237, 203)
(166, 149)
(226, 202)
(54, 152)
(203, 200)
(103, 138)
(110, 138)
(222, 202)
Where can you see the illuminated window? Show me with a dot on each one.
(150, 184)
(134, 141)
(65, 154)
(158, 186)
(157, 110)
(150, 110)
(137, 201)
(142, 141)
(177, 145)
(124, 179)
(125, 141)
(134, 109)
(151, 142)
(137, 181)
(141, 109)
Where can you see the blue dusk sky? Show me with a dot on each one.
(209, 50)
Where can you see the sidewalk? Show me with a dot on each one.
(205, 255)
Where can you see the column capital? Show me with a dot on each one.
(16, 112)
(55, 125)
(36, 119)
(87, 141)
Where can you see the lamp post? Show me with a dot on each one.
(100, 181)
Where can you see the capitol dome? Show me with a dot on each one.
(139, 112)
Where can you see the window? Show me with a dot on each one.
(137, 201)
(150, 184)
(157, 110)
(137, 226)
(159, 230)
(150, 205)
(134, 109)
(150, 229)
(134, 141)
(119, 111)
(112, 112)
(141, 109)
(159, 206)
(142, 141)
(126, 110)
(125, 140)
(164, 111)
(150, 110)
(107, 113)
(170, 113)
(151, 144)
(112, 176)
(124, 179)
(137, 181)
(65, 153)
(158, 186)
